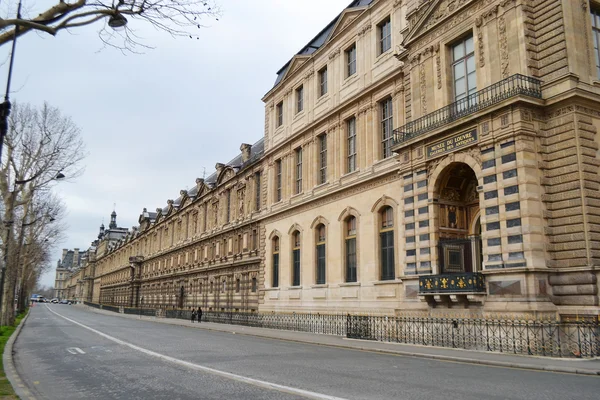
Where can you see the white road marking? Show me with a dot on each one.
(75, 350)
(256, 382)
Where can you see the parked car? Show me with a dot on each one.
(64, 301)
(54, 300)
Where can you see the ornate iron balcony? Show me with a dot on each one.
(466, 282)
(512, 86)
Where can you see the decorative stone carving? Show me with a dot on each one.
(480, 46)
(450, 194)
(364, 29)
(423, 88)
(503, 47)
(438, 65)
(334, 54)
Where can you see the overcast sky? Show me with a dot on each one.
(153, 122)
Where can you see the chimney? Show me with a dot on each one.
(246, 150)
(75, 257)
(219, 167)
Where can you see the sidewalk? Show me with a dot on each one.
(565, 365)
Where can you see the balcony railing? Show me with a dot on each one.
(512, 86)
(466, 282)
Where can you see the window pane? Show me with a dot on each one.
(459, 70)
(459, 87)
(470, 64)
(458, 51)
(469, 44)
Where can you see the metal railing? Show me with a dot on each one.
(512, 86)
(551, 338)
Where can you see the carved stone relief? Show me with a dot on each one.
(503, 47)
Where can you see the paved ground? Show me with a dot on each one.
(73, 353)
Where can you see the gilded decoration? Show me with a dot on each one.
(466, 282)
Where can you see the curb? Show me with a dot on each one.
(464, 360)
(9, 366)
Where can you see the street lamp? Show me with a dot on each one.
(117, 21)
(5, 106)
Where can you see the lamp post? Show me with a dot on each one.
(8, 225)
(5, 105)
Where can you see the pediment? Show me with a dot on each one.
(430, 15)
(295, 64)
(226, 174)
(348, 15)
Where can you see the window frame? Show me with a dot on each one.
(387, 126)
(257, 183)
(299, 99)
(595, 16)
(323, 81)
(351, 67)
(279, 114)
(351, 259)
(464, 59)
(387, 246)
(296, 258)
(321, 254)
(278, 177)
(322, 177)
(275, 243)
(351, 144)
(384, 35)
(298, 169)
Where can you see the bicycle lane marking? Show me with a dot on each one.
(252, 381)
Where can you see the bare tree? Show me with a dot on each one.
(41, 146)
(176, 17)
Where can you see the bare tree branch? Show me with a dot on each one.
(176, 17)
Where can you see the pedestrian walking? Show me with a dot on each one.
(193, 315)
(199, 314)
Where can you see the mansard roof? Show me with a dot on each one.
(319, 40)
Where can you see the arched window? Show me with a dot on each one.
(386, 243)
(275, 282)
(321, 254)
(350, 236)
(296, 258)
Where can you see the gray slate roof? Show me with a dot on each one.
(320, 39)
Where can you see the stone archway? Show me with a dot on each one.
(458, 227)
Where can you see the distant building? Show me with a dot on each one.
(69, 261)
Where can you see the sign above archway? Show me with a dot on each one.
(452, 143)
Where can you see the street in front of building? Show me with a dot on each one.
(73, 353)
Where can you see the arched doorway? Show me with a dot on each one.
(459, 246)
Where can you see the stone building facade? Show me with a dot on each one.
(418, 155)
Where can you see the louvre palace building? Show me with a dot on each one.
(418, 156)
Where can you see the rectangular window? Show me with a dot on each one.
(253, 285)
(463, 68)
(254, 239)
(257, 191)
(296, 265)
(298, 170)
(322, 159)
(300, 99)
(280, 114)
(351, 143)
(387, 255)
(351, 60)
(275, 270)
(351, 259)
(323, 82)
(595, 15)
(237, 285)
(386, 127)
(320, 263)
(384, 30)
(278, 180)
(228, 205)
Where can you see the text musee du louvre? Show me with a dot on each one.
(452, 143)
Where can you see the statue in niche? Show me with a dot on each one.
(241, 203)
(452, 217)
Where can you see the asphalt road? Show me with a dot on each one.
(68, 352)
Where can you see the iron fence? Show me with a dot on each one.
(529, 337)
(551, 338)
(512, 86)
